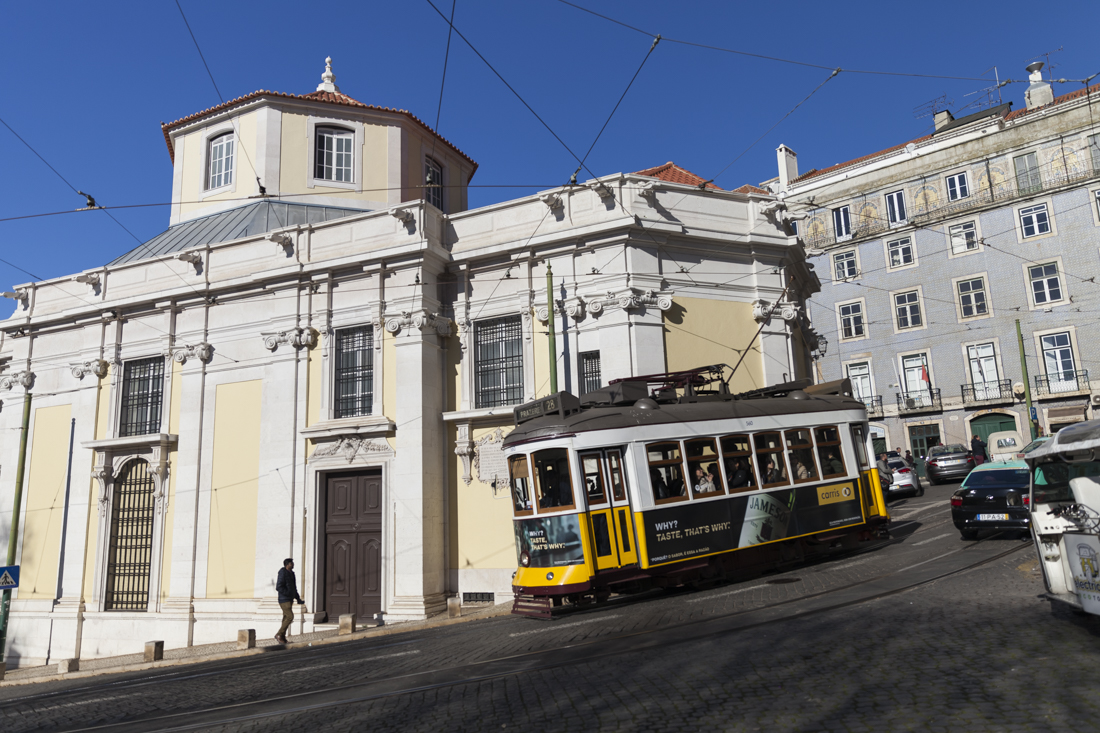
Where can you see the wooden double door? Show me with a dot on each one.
(353, 544)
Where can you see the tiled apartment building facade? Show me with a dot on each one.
(929, 252)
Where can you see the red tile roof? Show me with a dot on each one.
(675, 174)
(319, 96)
(749, 188)
(1014, 115)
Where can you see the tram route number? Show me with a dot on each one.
(670, 530)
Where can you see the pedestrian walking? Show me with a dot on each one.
(909, 458)
(287, 588)
(977, 447)
(885, 476)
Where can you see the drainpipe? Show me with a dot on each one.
(1027, 382)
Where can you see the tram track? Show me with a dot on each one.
(579, 652)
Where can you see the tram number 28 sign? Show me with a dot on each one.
(680, 532)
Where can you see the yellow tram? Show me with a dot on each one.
(670, 479)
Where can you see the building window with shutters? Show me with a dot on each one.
(142, 397)
(130, 550)
(354, 372)
(591, 379)
(498, 362)
(1028, 179)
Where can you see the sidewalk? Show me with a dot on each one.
(229, 650)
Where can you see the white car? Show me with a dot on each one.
(905, 479)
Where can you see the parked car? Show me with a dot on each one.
(1004, 445)
(1033, 445)
(945, 462)
(905, 478)
(993, 496)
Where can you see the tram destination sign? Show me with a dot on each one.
(683, 531)
(561, 404)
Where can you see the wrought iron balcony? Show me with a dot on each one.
(987, 393)
(874, 405)
(922, 400)
(1060, 383)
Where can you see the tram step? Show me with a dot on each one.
(533, 606)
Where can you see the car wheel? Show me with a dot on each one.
(932, 480)
(969, 534)
(920, 489)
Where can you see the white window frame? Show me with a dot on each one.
(357, 175)
(442, 191)
(899, 241)
(1037, 218)
(1018, 220)
(847, 365)
(1092, 145)
(956, 284)
(896, 212)
(920, 305)
(1031, 187)
(862, 303)
(842, 215)
(967, 345)
(1075, 351)
(903, 385)
(837, 278)
(978, 245)
(960, 182)
(209, 135)
(1095, 194)
(228, 167)
(1059, 273)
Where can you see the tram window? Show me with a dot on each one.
(552, 473)
(737, 458)
(593, 480)
(769, 456)
(521, 490)
(828, 451)
(703, 471)
(800, 450)
(615, 474)
(666, 472)
(859, 441)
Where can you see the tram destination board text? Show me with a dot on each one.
(684, 531)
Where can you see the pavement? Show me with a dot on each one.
(928, 632)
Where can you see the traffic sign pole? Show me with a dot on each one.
(5, 605)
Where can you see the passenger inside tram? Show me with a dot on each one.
(740, 475)
(706, 478)
(666, 470)
(769, 454)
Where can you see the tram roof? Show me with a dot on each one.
(627, 416)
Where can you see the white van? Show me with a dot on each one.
(1004, 445)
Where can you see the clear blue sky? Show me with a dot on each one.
(87, 85)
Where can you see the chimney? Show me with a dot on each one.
(788, 166)
(1039, 92)
(942, 118)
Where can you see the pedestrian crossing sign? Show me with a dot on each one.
(9, 577)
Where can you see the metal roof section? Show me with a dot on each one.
(245, 221)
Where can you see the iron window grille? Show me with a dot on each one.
(921, 399)
(433, 179)
(219, 166)
(972, 297)
(907, 306)
(1045, 285)
(498, 365)
(851, 320)
(129, 555)
(964, 237)
(844, 265)
(901, 252)
(591, 379)
(142, 397)
(998, 391)
(354, 375)
(1076, 380)
(334, 155)
(957, 187)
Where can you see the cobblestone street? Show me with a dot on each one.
(927, 633)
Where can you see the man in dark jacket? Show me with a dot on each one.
(977, 447)
(287, 588)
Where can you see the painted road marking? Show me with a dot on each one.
(351, 661)
(931, 539)
(563, 626)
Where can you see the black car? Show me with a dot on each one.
(945, 462)
(993, 496)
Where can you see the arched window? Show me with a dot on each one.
(334, 154)
(219, 161)
(130, 552)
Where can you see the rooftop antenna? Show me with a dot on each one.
(932, 106)
(987, 91)
(1050, 66)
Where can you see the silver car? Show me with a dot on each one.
(905, 479)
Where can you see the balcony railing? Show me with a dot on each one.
(923, 212)
(923, 400)
(874, 405)
(987, 392)
(1062, 383)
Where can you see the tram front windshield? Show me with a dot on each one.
(1050, 481)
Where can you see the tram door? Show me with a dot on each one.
(610, 519)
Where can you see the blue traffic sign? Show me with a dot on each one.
(1034, 414)
(9, 577)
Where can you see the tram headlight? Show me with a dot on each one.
(524, 559)
(550, 575)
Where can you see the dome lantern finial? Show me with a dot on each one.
(328, 79)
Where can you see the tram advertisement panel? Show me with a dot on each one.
(700, 528)
(549, 541)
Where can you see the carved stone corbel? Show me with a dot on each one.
(630, 299)
(762, 311)
(17, 379)
(202, 351)
(552, 200)
(98, 367)
(284, 240)
(421, 320)
(602, 189)
(464, 449)
(296, 337)
(102, 474)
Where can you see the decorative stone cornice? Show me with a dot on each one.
(648, 191)
(98, 367)
(283, 240)
(17, 379)
(296, 337)
(112, 455)
(350, 448)
(602, 189)
(421, 320)
(405, 216)
(202, 351)
(762, 311)
(552, 200)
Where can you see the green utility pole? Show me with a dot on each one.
(6, 603)
(1027, 381)
(550, 327)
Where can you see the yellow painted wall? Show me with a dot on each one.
(375, 162)
(699, 332)
(194, 165)
(294, 159)
(45, 502)
(102, 413)
(389, 375)
(234, 483)
(481, 524)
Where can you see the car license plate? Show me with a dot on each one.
(992, 517)
(952, 463)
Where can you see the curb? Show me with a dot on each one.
(503, 609)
